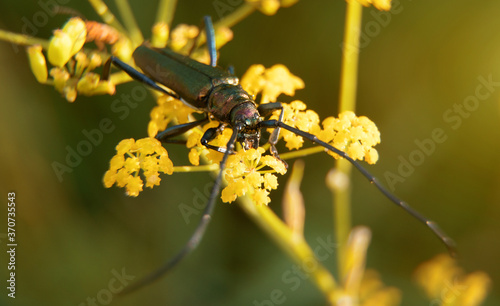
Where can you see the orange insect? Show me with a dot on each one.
(100, 33)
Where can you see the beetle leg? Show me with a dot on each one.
(210, 135)
(266, 110)
(176, 130)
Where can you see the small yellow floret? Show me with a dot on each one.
(160, 35)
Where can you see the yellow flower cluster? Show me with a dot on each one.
(183, 37)
(168, 110)
(72, 71)
(296, 115)
(445, 283)
(244, 176)
(271, 82)
(356, 136)
(132, 156)
(193, 142)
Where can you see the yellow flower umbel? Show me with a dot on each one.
(445, 283)
(132, 156)
(244, 176)
(168, 110)
(271, 82)
(356, 136)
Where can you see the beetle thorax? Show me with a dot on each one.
(223, 99)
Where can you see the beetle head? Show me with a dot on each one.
(247, 118)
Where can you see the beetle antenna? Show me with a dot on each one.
(198, 232)
(448, 242)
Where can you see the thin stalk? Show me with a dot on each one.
(166, 10)
(202, 168)
(130, 22)
(297, 249)
(302, 152)
(348, 86)
(21, 39)
(103, 11)
(242, 12)
(120, 78)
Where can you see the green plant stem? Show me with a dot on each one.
(302, 152)
(350, 57)
(342, 216)
(242, 12)
(120, 78)
(202, 168)
(103, 11)
(348, 86)
(21, 39)
(130, 22)
(166, 10)
(296, 248)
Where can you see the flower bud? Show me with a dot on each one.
(37, 63)
(77, 31)
(160, 35)
(60, 47)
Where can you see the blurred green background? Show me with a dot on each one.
(75, 235)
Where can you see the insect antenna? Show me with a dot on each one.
(448, 242)
(198, 233)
